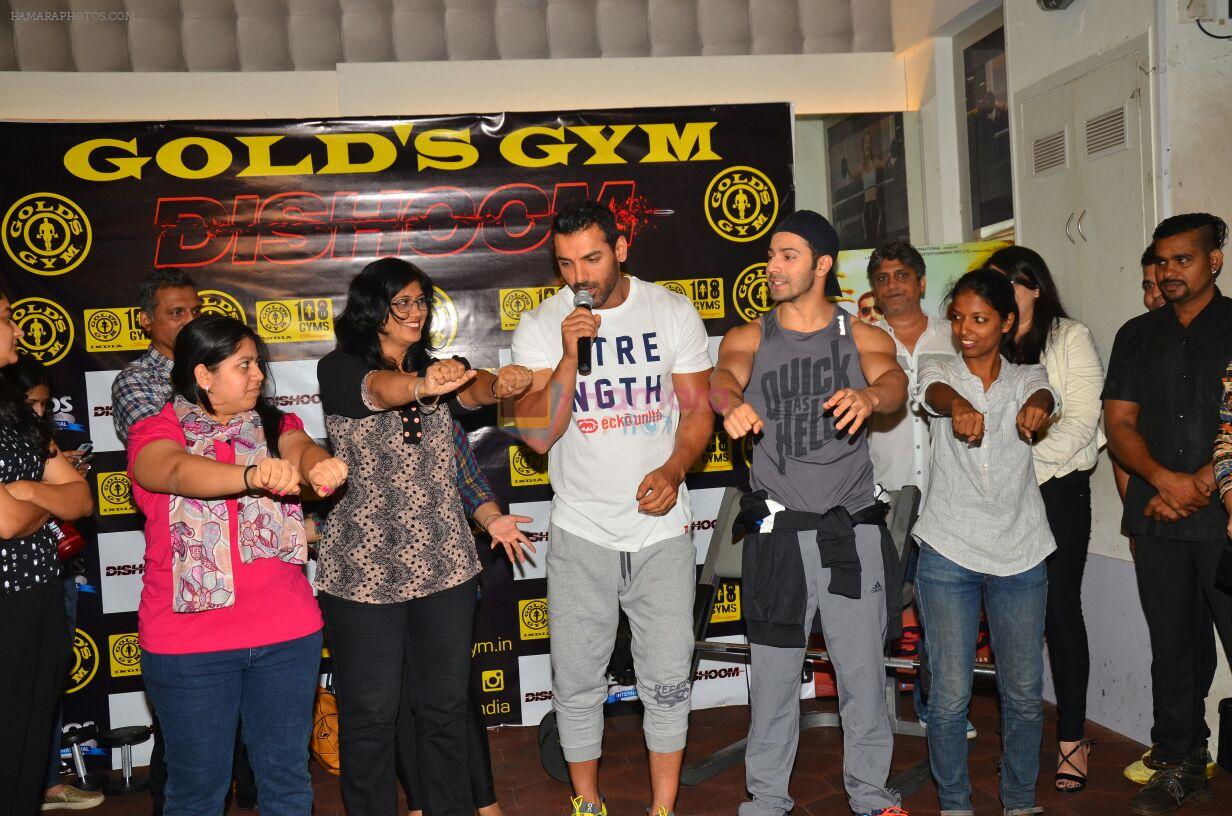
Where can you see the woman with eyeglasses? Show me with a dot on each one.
(1064, 457)
(397, 567)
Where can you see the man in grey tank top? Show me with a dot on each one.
(813, 377)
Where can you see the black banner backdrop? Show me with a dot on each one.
(273, 218)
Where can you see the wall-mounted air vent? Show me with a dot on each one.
(1048, 152)
(1106, 133)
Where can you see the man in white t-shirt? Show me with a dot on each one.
(619, 442)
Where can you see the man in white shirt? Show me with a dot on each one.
(901, 443)
(619, 442)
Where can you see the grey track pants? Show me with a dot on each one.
(587, 586)
(855, 635)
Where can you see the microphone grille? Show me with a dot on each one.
(583, 298)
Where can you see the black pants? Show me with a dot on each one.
(1176, 582)
(420, 649)
(1067, 502)
(478, 757)
(32, 625)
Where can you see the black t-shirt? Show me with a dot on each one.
(1175, 375)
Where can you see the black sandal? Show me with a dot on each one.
(1080, 781)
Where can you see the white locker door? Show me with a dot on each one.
(1117, 208)
(1049, 187)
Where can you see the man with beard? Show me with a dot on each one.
(619, 440)
(816, 544)
(1162, 400)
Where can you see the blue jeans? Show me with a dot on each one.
(949, 596)
(200, 699)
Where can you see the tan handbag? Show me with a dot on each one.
(324, 740)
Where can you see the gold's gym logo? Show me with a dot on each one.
(444, 321)
(115, 494)
(85, 662)
(527, 467)
(115, 329)
(750, 295)
(46, 234)
(302, 320)
(273, 317)
(741, 203)
(705, 293)
(214, 301)
(125, 655)
(47, 329)
(533, 618)
(516, 302)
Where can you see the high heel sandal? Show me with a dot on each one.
(1079, 781)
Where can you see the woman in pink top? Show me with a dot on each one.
(229, 629)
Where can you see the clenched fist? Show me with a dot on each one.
(276, 476)
(581, 322)
(968, 423)
(511, 381)
(742, 420)
(444, 377)
(327, 476)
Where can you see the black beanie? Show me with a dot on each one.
(821, 236)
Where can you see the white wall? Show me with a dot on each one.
(1039, 43)
(815, 83)
(931, 92)
(1197, 72)
(811, 170)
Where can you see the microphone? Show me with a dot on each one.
(584, 299)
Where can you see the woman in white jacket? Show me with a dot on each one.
(1064, 457)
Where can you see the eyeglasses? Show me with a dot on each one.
(402, 307)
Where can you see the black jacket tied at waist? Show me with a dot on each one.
(773, 582)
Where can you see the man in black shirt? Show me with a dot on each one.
(1161, 409)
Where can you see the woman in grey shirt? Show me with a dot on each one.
(983, 535)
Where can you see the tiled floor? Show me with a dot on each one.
(526, 790)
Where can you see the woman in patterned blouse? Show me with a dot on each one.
(397, 568)
(36, 482)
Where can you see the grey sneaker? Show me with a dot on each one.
(71, 798)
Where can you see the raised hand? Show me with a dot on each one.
(1031, 417)
(741, 420)
(511, 381)
(276, 476)
(444, 377)
(327, 476)
(968, 423)
(581, 322)
(851, 407)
